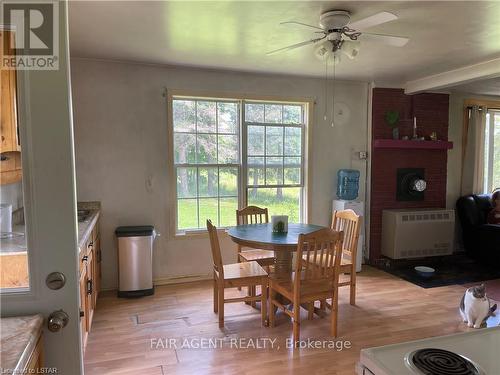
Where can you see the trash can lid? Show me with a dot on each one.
(134, 231)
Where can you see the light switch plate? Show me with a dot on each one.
(363, 155)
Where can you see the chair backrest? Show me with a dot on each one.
(322, 252)
(215, 246)
(252, 215)
(348, 222)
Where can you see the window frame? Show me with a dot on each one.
(303, 126)
(307, 105)
(490, 147)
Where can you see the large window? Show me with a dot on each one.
(492, 150)
(232, 153)
(274, 157)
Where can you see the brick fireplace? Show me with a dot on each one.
(431, 111)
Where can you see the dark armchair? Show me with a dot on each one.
(481, 240)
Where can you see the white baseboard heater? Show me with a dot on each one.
(417, 233)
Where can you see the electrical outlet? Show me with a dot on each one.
(363, 155)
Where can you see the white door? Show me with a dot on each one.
(46, 134)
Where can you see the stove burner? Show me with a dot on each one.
(431, 361)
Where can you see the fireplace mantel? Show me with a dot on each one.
(411, 144)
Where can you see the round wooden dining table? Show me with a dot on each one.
(261, 236)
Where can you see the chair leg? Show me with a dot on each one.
(352, 287)
(296, 323)
(263, 304)
(334, 313)
(249, 294)
(310, 311)
(253, 293)
(221, 307)
(216, 296)
(239, 261)
(272, 308)
(322, 304)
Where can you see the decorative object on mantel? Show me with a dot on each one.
(279, 223)
(392, 119)
(433, 136)
(415, 135)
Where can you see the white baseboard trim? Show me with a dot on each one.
(171, 280)
(181, 279)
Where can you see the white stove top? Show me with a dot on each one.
(481, 346)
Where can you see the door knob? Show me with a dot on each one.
(57, 320)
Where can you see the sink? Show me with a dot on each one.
(83, 215)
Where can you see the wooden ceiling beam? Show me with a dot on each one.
(485, 70)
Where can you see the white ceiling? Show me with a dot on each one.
(236, 35)
(483, 87)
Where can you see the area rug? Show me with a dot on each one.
(449, 271)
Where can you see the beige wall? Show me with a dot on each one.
(121, 142)
(455, 135)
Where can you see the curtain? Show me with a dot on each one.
(472, 181)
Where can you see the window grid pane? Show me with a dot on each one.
(206, 161)
(281, 139)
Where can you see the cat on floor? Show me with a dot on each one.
(475, 306)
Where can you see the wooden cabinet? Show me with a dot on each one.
(98, 275)
(10, 147)
(35, 361)
(90, 281)
(83, 304)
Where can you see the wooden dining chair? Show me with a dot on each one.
(245, 274)
(265, 258)
(254, 215)
(314, 280)
(348, 222)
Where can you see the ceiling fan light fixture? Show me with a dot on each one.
(323, 50)
(336, 58)
(334, 19)
(350, 48)
(336, 31)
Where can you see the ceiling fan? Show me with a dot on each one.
(340, 34)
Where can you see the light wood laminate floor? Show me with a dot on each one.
(388, 310)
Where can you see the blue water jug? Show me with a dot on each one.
(347, 184)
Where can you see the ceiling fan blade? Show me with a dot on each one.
(391, 40)
(293, 46)
(295, 23)
(374, 20)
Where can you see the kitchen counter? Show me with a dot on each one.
(18, 338)
(17, 243)
(85, 227)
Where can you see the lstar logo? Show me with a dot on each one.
(31, 35)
